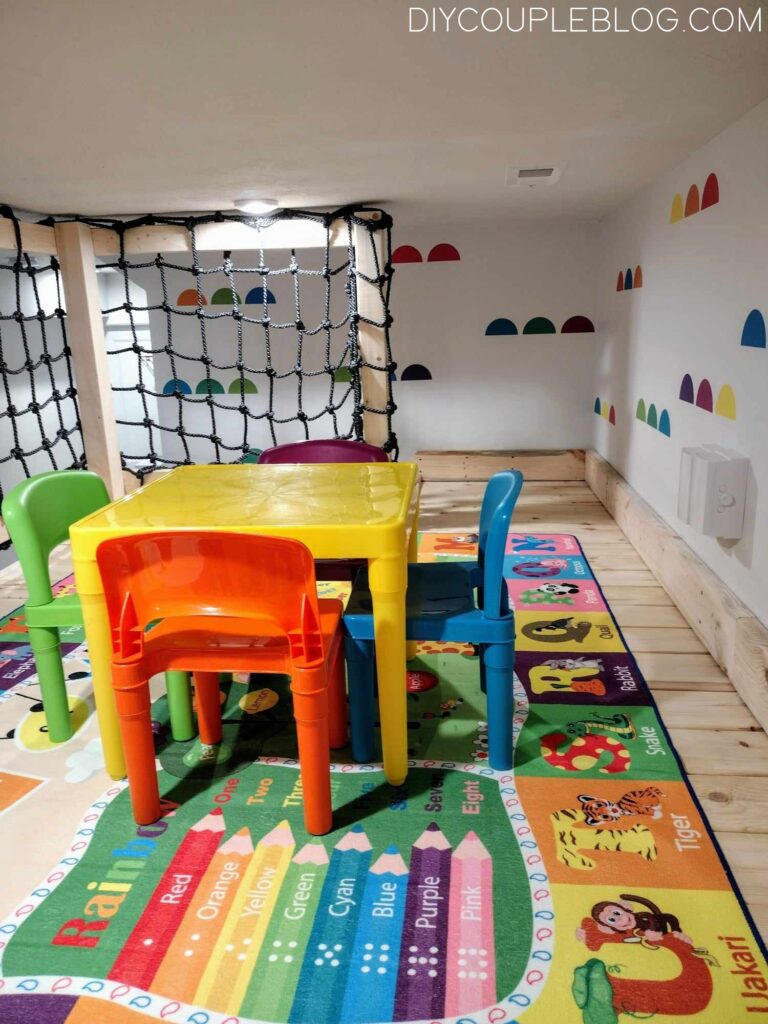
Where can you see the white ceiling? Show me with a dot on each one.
(177, 105)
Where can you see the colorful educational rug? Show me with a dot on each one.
(584, 887)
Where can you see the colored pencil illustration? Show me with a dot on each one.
(421, 978)
(225, 979)
(471, 975)
(179, 972)
(272, 985)
(370, 993)
(147, 944)
(324, 971)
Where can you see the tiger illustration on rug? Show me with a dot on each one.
(579, 829)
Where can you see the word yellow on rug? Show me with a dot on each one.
(584, 887)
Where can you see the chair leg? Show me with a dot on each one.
(310, 707)
(499, 662)
(133, 709)
(44, 641)
(361, 674)
(179, 690)
(483, 681)
(208, 705)
(337, 701)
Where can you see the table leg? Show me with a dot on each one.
(387, 579)
(413, 556)
(99, 643)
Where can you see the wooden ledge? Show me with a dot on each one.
(732, 634)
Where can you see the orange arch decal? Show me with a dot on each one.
(638, 277)
(189, 298)
(692, 201)
(443, 253)
(711, 193)
(406, 254)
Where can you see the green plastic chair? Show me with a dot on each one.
(38, 513)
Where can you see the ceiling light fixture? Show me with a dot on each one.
(256, 205)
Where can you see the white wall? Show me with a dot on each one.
(701, 277)
(494, 392)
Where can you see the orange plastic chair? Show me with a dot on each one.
(207, 601)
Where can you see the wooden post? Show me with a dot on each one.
(85, 332)
(373, 349)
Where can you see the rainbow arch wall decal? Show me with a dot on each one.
(255, 297)
(500, 326)
(176, 387)
(209, 387)
(753, 333)
(628, 280)
(653, 418)
(189, 298)
(249, 388)
(724, 405)
(540, 325)
(710, 195)
(607, 412)
(406, 254)
(443, 252)
(416, 371)
(224, 297)
(578, 325)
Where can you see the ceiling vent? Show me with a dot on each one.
(533, 177)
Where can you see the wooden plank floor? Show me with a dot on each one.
(722, 745)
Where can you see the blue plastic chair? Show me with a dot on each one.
(441, 605)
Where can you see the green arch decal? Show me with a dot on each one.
(209, 387)
(249, 388)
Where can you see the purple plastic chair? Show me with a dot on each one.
(326, 450)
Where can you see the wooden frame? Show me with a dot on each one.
(735, 638)
(480, 465)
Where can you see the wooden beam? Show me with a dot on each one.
(85, 333)
(35, 238)
(219, 236)
(374, 379)
(480, 465)
(735, 638)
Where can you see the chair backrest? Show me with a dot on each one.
(499, 500)
(175, 574)
(38, 513)
(326, 450)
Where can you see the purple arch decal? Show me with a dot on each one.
(686, 389)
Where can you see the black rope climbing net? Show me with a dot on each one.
(39, 417)
(214, 358)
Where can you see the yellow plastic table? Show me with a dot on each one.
(354, 510)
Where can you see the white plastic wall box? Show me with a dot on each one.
(713, 490)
